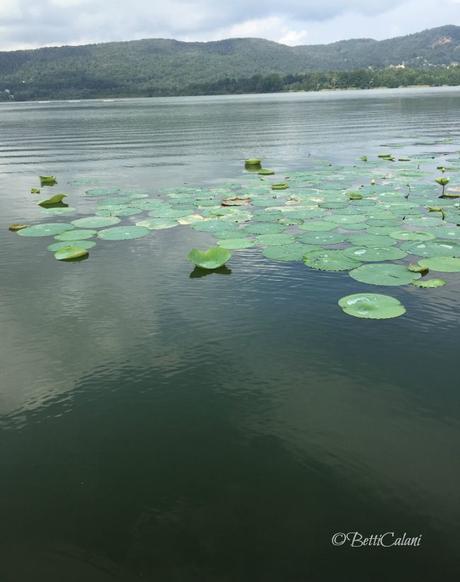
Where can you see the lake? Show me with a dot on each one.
(221, 428)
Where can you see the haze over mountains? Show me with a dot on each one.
(162, 67)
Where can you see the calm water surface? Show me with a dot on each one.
(217, 429)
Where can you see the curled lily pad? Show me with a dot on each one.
(236, 201)
(190, 219)
(442, 264)
(372, 306)
(236, 243)
(49, 202)
(84, 244)
(47, 181)
(47, 229)
(384, 274)
(212, 258)
(35, 191)
(96, 221)
(411, 235)
(123, 232)
(329, 260)
(280, 186)
(253, 164)
(375, 254)
(416, 268)
(16, 227)
(71, 253)
(266, 172)
(429, 283)
(292, 252)
(77, 234)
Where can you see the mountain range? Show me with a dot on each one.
(170, 67)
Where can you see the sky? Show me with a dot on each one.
(34, 23)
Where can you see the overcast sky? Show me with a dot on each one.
(32, 23)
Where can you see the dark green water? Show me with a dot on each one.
(219, 429)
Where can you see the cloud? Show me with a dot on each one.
(52, 22)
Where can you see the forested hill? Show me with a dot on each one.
(169, 67)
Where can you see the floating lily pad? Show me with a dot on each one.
(280, 186)
(384, 274)
(372, 306)
(329, 260)
(348, 219)
(47, 229)
(77, 234)
(96, 222)
(292, 252)
(371, 240)
(433, 248)
(236, 243)
(429, 283)
(275, 239)
(213, 258)
(266, 172)
(157, 223)
(411, 235)
(416, 268)
(442, 264)
(123, 232)
(264, 228)
(322, 238)
(102, 192)
(71, 253)
(84, 244)
(253, 164)
(318, 226)
(375, 254)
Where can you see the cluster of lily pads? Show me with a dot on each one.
(386, 221)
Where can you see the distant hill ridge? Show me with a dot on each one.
(164, 66)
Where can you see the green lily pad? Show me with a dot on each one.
(157, 223)
(84, 244)
(47, 229)
(318, 226)
(123, 232)
(442, 264)
(96, 222)
(322, 238)
(416, 268)
(48, 181)
(17, 227)
(264, 228)
(347, 219)
(77, 234)
(384, 274)
(372, 306)
(280, 186)
(253, 163)
(429, 283)
(412, 235)
(56, 199)
(329, 260)
(236, 243)
(375, 254)
(371, 240)
(433, 248)
(71, 253)
(275, 239)
(265, 172)
(102, 192)
(213, 258)
(292, 252)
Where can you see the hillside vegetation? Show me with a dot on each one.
(170, 67)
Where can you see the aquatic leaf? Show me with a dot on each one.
(384, 274)
(57, 199)
(371, 240)
(442, 264)
(47, 181)
(433, 248)
(264, 228)
(47, 229)
(411, 235)
(95, 221)
(236, 243)
(322, 238)
(318, 226)
(429, 283)
(416, 268)
(329, 260)
(77, 234)
(35, 191)
(236, 201)
(102, 192)
(274, 239)
(123, 232)
(372, 306)
(265, 172)
(190, 219)
(291, 252)
(71, 253)
(157, 223)
(280, 186)
(253, 164)
(84, 244)
(16, 227)
(347, 219)
(375, 254)
(212, 258)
